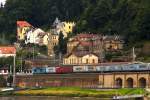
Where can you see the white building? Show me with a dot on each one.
(45, 39)
(34, 36)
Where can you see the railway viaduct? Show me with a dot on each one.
(125, 80)
(101, 80)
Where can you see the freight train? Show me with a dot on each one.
(90, 68)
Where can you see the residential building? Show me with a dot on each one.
(113, 43)
(85, 42)
(64, 27)
(22, 28)
(53, 35)
(52, 42)
(84, 49)
(45, 39)
(67, 28)
(35, 36)
(94, 43)
(7, 51)
(79, 58)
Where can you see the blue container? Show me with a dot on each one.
(38, 70)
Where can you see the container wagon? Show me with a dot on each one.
(61, 70)
(38, 70)
(80, 69)
(51, 70)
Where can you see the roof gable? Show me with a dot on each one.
(23, 24)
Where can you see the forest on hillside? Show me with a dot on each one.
(130, 18)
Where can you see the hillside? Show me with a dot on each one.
(129, 18)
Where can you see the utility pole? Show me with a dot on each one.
(101, 49)
(14, 70)
(10, 71)
(133, 54)
(33, 52)
(21, 65)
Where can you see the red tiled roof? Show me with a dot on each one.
(79, 54)
(86, 43)
(23, 23)
(84, 35)
(7, 50)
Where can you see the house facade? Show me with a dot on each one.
(85, 42)
(64, 27)
(22, 28)
(80, 58)
(35, 36)
(113, 43)
(94, 43)
(67, 28)
(45, 39)
(53, 40)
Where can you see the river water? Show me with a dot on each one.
(48, 98)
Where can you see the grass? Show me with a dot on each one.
(77, 92)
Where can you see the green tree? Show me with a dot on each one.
(3, 82)
(10, 80)
(62, 44)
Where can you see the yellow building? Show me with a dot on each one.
(22, 28)
(80, 58)
(67, 28)
(64, 27)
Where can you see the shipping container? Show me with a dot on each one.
(142, 67)
(100, 68)
(90, 68)
(39, 70)
(80, 69)
(64, 69)
(51, 70)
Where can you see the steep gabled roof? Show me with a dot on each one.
(23, 24)
(79, 54)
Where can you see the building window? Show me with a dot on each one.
(69, 27)
(5, 71)
(93, 61)
(87, 61)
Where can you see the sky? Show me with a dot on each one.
(3, 1)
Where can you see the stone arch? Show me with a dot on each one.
(118, 83)
(129, 82)
(142, 82)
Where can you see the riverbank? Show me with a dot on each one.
(77, 92)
